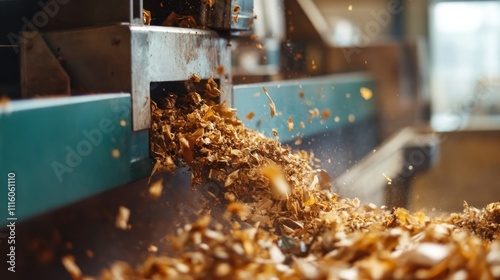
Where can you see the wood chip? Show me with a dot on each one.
(389, 179)
(314, 113)
(290, 124)
(366, 93)
(72, 268)
(220, 70)
(4, 100)
(250, 115)
(115, 153)
(272, 107)
(298, 142)
(121, 221)
(146, 17)
(325, 114)
(152, 249)
(155, 190)
(279, 186)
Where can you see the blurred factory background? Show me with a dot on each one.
(427, 56)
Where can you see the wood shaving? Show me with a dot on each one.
(272, 107)
(72, 268)
(156, 189)
(176, 20)
(146, 17)
(195, 78)
(89, 254)
(326, 114)
(389, 179)
(280, 188)
(220, 70)
(115, 153)
(290, 124)
(152, 249)
(121, 221)
(298, 142)
(250, 115)
(366, 93)
(4, 100)
(314, 113)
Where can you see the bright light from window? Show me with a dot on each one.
(458, 17)
(465, 51)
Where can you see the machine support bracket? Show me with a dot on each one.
(41, 71)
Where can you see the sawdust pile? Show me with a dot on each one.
(284, 221)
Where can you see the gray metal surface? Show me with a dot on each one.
(63, 15)
(41, 72)
(384, 176)
(174, 54)
(128, 58)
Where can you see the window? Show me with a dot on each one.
(465, 64)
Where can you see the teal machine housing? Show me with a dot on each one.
(64, 149)
(331, 117)
(339, 95)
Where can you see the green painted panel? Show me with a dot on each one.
(65, 149)
(339, 94)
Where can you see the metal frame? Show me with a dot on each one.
(103, 46)
(128, 58)
(65, 15)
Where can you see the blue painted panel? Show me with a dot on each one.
(65, 149)
(339, 94)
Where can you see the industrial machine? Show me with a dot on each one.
(103, 66)
(86, 71)
(75, 132)
(108, 63)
